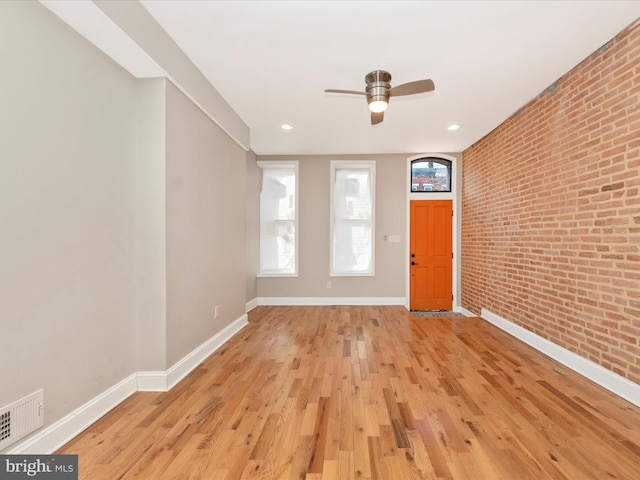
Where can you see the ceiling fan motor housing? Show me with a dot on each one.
(378, 86)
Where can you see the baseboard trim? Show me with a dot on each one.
(465, 312)
(152, 381)
(613, 382)
(52, 437)
(251, 304)
(301, 301)
(57, 434)
(183, 367)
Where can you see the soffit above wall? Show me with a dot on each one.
(127, 33)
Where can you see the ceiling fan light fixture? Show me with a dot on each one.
(378, 92)
(378, 106)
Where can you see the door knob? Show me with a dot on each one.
(413, 255)
(413, 263)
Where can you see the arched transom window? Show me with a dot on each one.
(430, 174)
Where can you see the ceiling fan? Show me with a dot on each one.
(378, 92)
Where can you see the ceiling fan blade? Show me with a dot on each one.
(376, 117)
(354, 92)
(411, 88)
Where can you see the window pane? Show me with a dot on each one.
(278, 193)
(430, 175)
(352, 247)
(277, 247)
(352, 194)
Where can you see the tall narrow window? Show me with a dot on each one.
(352, 218)
(279, 219)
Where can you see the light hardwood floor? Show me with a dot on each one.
(368, 393)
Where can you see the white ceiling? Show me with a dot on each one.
(271, 61)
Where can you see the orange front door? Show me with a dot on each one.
(431, 254)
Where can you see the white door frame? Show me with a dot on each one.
(456, 196)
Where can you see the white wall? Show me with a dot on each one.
(252, 198)
(67, 213)
(151, 244)
(206, 225)
(314, 241)
(122, 217)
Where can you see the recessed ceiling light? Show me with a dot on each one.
(286, 126)
(453, 127)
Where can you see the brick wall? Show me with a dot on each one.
(551, 212)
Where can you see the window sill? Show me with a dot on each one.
(352, 274)
(276, 275)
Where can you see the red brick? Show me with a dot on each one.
(552, 243)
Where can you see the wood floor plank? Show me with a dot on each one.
(367, 392)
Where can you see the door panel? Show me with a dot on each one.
(431, 254)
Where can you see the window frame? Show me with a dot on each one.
(289, 164)
(442, 161)
(354, 164)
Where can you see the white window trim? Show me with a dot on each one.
(337, 164)
(283, 164)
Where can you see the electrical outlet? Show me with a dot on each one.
(216, 313)
(328, 284)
